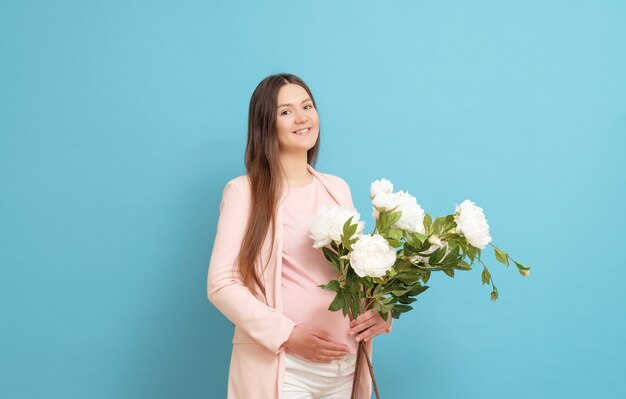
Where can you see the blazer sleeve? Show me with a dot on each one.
(268, 326)
(349, 193)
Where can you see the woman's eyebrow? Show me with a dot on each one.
(282, 105)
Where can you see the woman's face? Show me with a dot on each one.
(295, 113)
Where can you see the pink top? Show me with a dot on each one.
(304, 267)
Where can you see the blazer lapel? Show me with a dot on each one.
(331, 187)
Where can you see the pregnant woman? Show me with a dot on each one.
(264, 272)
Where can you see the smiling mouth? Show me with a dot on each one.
(302, 132)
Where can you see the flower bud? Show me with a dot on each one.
(434, 239)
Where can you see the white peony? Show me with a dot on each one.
(372, 256)
(412, 218)
(385, 201)
(379, 187)
(328, 225)
(470, 220)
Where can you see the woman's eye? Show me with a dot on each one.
(305, 107)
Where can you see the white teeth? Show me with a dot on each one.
(303, 131)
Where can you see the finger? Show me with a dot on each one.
(323, 359)
(358, 319)
(362, 326)
(330, 345)
(366, 318)
(382, 330)
(325, 335)
(370, 333)
(362, 317)
(315, 358)
(333, 354)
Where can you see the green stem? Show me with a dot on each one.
(490, 276)
(341, 267)
(509, 256)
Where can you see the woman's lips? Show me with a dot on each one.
(299, 133)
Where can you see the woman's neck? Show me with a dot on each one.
(295, 167)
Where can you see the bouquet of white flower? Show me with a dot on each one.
(385, 270)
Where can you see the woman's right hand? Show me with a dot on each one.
(314, 344)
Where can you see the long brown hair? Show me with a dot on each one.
(264, 173)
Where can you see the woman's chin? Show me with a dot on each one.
(301, 147)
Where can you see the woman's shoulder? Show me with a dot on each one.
(241, 180)
(239, 184)
(334, 179)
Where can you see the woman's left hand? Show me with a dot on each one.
(367, 326)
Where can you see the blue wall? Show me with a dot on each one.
(121, 121)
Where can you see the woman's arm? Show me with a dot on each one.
(270, 327)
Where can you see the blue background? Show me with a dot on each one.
(121, 121)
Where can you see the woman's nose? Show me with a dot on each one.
(301, 116)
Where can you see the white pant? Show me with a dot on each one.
(312, 380)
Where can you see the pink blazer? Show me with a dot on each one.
(257, 363)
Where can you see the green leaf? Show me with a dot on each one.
(463, 265)
(520, 266)
(346, 243)
(394, 217)
(452, 258)
(416, 290)
(355, 302)
(428, 224)
(437, 224)
(401, 292)
(386, 300)
(437, 255)
(346, 226)
(449, 272)
(415, 240)
(348, 232)
(378, 290)
(394, 243)
(471, 253)
(346, 306)
(448, 223)
(383, 313)
(409, 278)
(399, 308)
(425, 277)
(486, 276)
(332, 285)
(523, 270)
(337, 303)
(424, 247)
(387, 219)
(501, 256)
(332, 257)
(383, 221)
(351, 230)
(395, 234)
